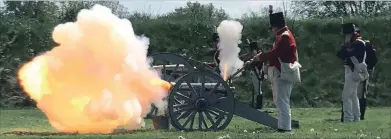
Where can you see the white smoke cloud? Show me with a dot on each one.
(230, 33)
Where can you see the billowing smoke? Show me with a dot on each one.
(230, 33)
(97, 79)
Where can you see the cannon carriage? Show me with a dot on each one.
(200, 99)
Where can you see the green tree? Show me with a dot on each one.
(69, 9)
(327, 9)
(26, 29)
(192, 41)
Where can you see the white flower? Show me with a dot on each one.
(335, 129)
(253, 132)
(377, 137)
(245, 131)
(223, 137)
(180, 137)
(312, 130)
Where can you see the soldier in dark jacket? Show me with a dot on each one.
(215, 52)
(353, 47)
(371, 61)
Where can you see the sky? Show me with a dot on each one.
(234, 8)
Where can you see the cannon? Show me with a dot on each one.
(200, 99)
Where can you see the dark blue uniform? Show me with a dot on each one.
(356, 48)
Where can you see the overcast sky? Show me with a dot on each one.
(234, 8)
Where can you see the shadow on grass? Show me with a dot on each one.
(332, 120)
(117, 132)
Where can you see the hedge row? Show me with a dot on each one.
(317, 40)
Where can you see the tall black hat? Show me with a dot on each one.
(350, 28)
(276, 19)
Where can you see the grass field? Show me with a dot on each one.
(314, 122)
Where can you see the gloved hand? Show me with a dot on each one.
(210, 64)
(256, 57)
(249, 64)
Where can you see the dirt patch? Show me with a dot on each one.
(36, 133)
(30, 133)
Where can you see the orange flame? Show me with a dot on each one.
(225, 72)
(164, 84)
(97, 79)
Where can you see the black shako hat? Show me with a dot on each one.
(277, 20)
(350, 28)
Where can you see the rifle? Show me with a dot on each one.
(372, 40)
(363, 99)
(342, 115)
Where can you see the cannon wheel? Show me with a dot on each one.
(210, 108)
(168, 59)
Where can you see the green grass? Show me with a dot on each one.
(325, 123)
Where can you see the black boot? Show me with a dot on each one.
(342, 112)
(259, 102)
(363, 107)
(283, 131)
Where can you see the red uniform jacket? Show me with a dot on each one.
(284, 48)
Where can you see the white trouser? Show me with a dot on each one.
(257, 84)
(281, 95)
(351, 106)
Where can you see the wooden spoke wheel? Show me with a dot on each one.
(201, 101)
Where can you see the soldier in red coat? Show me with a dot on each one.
(284, 49)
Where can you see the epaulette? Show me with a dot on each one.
(285, 33)
(359, 40)
(367, 42)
